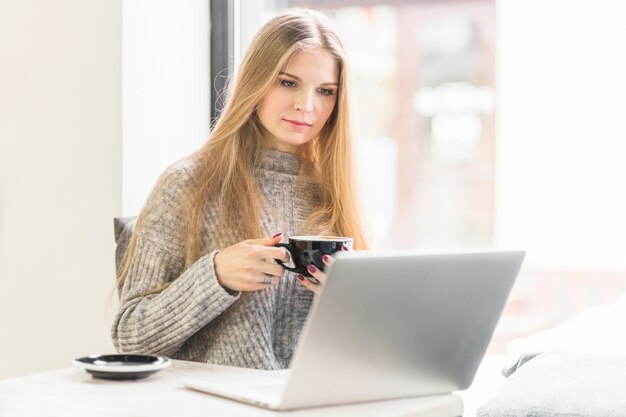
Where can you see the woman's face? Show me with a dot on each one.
(297, 107)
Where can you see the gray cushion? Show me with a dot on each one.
(123, 228)
(562, 384)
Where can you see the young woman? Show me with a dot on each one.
(200, 281)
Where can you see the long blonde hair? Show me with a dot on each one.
(225, 164)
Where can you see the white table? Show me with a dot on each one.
(70, 392)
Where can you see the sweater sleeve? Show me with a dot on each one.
(160, 323)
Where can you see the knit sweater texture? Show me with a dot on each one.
(195, 318)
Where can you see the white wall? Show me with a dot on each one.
(165, 67)
(60, 179)
(561, 132)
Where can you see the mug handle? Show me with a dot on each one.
(286, 246)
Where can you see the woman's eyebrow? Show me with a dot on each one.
(300, 80)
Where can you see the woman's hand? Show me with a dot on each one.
(246, 265)
(317, 274)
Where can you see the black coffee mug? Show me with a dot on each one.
(308, 250)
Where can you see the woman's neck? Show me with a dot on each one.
(279, 161)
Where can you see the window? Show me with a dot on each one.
(424, 76)
(425, 81)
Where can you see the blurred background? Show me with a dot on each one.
(481, 123)
(493, 123)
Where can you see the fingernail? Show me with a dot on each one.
(276, 235)
(311, 269)
(300, 277)
(326, 258)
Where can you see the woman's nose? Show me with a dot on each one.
(304, 101)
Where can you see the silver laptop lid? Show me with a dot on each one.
(392, 325)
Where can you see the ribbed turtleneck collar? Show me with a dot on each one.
(274, 160)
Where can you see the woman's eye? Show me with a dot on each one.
(326, 92)
(288, 83)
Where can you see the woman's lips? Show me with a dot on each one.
(297, 125)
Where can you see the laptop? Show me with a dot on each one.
(386, 325)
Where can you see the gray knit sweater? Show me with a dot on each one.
(195, 318)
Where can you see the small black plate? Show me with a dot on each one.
(122, 366)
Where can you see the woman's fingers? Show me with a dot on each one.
(319, 276)
(267, 280)
(251, 265)
(307, 283)
(265, 248)
(265, 252)
(265, 273)
(270, 268)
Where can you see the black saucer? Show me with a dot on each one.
(122, 366)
